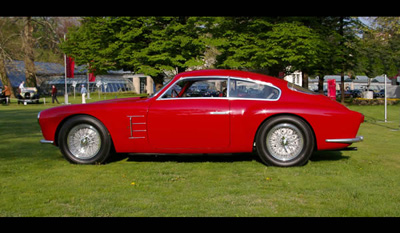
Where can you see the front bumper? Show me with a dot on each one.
(43, 141)
(346, 140)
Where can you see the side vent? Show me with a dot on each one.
(137, 127)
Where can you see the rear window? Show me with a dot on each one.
(298, 88)
(252, 90)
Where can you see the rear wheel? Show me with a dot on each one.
(84, 140)
(285, 141)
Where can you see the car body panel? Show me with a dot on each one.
(207, 125)
(192, 124)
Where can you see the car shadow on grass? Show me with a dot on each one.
(218, 158)
(328, 156)
(186, 158)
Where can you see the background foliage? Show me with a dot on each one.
(162, 46)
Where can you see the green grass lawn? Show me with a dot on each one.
(35, 180)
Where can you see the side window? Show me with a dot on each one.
(198, 88)
(252, 90)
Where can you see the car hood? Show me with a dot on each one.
(103, 105)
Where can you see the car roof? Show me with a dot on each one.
(233, 73)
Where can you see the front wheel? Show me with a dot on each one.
(84, 140)
(285, 141)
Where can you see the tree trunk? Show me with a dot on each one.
(341, 32)
(4, 77)
(321, 84)
(342, 87)
(304, 80)
(30, 73)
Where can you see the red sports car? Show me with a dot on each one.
(206, 111)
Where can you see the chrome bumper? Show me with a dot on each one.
(43, 141)
(346, 140)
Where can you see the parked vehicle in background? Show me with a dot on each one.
(28, 95)
(381, 93)
(356, 93)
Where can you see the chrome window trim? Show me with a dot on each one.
(228, 78)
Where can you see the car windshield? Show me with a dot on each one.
(162, 88)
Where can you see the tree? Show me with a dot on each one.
(270, 44)
(380, 48)
(49, 33)
(327, 64)
(150, 45)
(347, 48)
(338, 42)
(160, 46)
(27, 39)
(9, 44)
(30, 39)
(296, 47)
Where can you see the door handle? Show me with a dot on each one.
(220, 113)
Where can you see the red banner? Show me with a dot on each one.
(92, 78)
(70, 63)
(332, 88)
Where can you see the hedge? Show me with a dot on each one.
(378, 101)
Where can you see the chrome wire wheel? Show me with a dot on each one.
(84, 141)
(285, 141)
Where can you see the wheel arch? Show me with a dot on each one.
(60, 125)
(286, 114)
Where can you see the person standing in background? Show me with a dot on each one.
(7, 94)
(54, 94)
(21, 86)
(83, 92)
